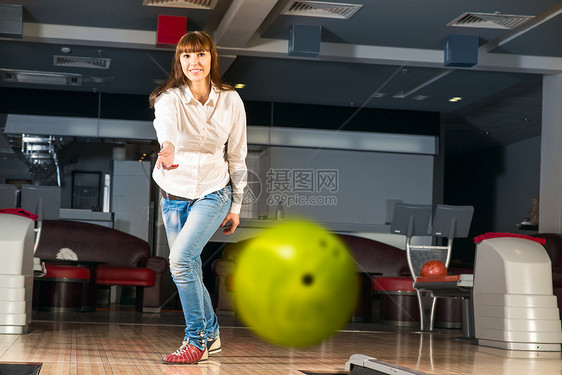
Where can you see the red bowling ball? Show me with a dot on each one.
(433, 268)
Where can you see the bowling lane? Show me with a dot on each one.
(103, 348)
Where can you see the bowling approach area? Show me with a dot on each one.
(127, 342)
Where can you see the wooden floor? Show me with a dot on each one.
(133, 343)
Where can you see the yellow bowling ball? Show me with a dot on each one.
(295, 284)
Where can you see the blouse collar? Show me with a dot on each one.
(213, 95)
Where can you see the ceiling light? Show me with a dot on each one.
(378, 95)
(239, 86)
(420, 97)
(455, 99)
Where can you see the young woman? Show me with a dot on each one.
(201, 127)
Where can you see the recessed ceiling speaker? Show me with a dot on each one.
(304, 40)
(461, 51)
(11, 21)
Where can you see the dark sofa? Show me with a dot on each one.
(373, 258)
(127, 260)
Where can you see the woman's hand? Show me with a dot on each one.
(234, 220)
(166, 157)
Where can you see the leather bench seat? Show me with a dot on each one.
(127, 276)
(448, 313)
(67, 273)
(62, 289)
(121, 259)
(373, 259)
(393, 285)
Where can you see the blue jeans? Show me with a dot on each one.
(189, 226)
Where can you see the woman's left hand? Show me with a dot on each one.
(234, 220)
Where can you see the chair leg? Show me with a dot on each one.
(432, 316)
(427, 310)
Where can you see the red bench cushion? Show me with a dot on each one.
(66, 272)
(127, 276)
(432, 279)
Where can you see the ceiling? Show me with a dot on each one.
(386, 49)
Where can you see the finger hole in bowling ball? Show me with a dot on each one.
(307, 279)
(322, 243)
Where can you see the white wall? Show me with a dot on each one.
(517, 184)
(366, 180)
(130, 197)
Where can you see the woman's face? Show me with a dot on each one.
(196, 65)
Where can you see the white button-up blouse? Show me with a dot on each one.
(209, 140)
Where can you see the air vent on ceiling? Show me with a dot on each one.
(196, 4)
(494, 20)
(321, 9)
(81, 62)
(41, 78)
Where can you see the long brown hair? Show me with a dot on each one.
(193, 41)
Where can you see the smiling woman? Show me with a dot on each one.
(201, 179)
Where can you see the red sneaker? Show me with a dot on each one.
(187, 353)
